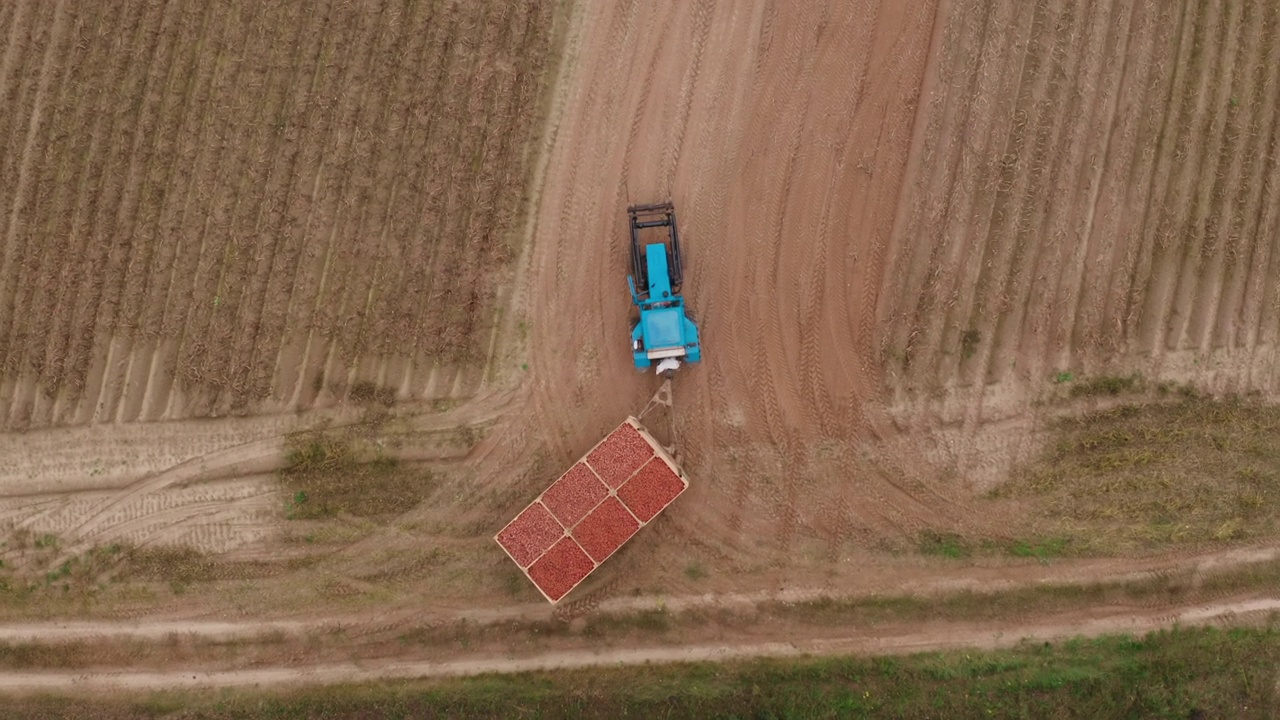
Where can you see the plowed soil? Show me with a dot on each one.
(212, 210)
(908, 226)
(1095, 192)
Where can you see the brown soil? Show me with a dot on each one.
(901, 220)
(1095, 195)
(214, 211)
(787, 161)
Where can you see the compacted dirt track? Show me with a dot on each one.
(782, 132)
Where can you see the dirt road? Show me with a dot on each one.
(880, 641)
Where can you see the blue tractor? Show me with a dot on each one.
(663, 334)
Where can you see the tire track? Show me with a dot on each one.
(892, 28)
(814, 393)
(703, 10)
(767, 353)
(254, 457)
(772, 345)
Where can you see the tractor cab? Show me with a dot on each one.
(663, 333)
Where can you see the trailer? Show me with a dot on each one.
(619, 486)
(663, 333)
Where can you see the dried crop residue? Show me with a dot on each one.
(1184, 473)
(211, 211)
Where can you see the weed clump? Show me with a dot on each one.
(366, 392)
(328, 475)
(1107, 385)
(944, 545)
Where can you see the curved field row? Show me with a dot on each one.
(219, 210)
(1098, 188)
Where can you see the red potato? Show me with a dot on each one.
(651, 489)
(591, 511)
(605, 529)
(620, 455)
(530, 534)
(562, 567)
(574, 495)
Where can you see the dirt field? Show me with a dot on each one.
(793, 156)
(1095, 192)
(918, 235)
(213, 209)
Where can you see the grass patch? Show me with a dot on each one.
(183, 566)
(1192, 471)
(956, 547)
(31, 579)
(695, 571)
(329, 475)
(1188, 673)
(944, 545)
(39, 581)
(644, 621)
(1042, 549)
